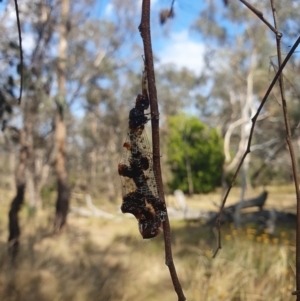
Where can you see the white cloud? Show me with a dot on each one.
(152, 3)
(28, 42)
(108, 11)
(182, 51)
(110, 7)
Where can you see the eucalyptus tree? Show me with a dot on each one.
(41, 136)
(239, 57)
(26, 126)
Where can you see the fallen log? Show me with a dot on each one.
(265, 219)
(258, 201)
(93, 211)
(228, 212)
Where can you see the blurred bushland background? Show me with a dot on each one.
(82, 70)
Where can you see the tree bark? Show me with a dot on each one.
(12, 166)
(31, 174)
(26, 164)
(63, 190)
(18, 200)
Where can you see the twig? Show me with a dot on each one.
(260, 15)
(254, 118)
(291, 149)
(166, 14)
(275, 68)
(144, 29)
(21, 50)
(171, 8)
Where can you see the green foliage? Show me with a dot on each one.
(195, 147)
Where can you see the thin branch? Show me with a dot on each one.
(275, 68)
(144, 29)
(254, 119)
(21, 50)
(260, 15)
(172, 8)
(291, 150)
(85, 78)
(166, 14)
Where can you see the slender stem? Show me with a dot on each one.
(291, 150)
(260, 15)
(144, 29)
(171, 8)
(21, 49)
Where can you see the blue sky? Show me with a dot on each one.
(173, 43)
(176, 43)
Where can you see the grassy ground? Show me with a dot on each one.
(107, 260)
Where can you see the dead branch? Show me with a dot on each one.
(253, 202)
(144, 29)
(258, 201)
(166, 14)
(96, 212)
(260, 15)
(264, 219)
(92, 210)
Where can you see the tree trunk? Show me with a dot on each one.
(25, 165)
(12, 167)
(189, 175)
(63, 191)
(30, 124)
(42, 170)
(18, 200)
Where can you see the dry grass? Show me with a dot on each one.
(107, 260)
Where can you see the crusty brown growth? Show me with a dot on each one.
(127, 145)
(140, 196)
